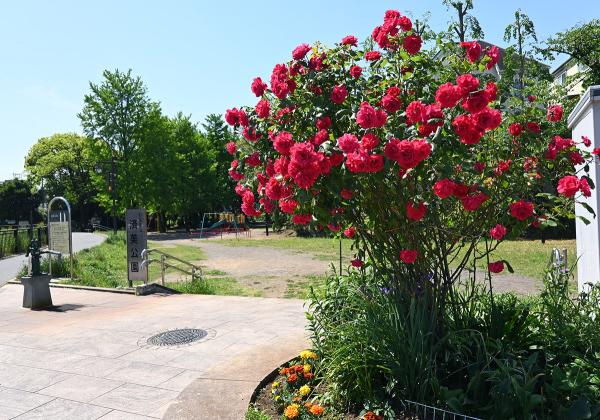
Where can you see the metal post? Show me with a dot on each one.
(113, 175)
(162, 268)
(267, 224)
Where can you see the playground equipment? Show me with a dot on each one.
(224, 222)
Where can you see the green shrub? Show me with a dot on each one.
(502, 357)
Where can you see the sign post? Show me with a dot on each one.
(60, 235)
(137, 241)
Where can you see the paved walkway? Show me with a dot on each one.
(10, 267)
(88, 358)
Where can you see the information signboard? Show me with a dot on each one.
(137, 241)
(58, 225)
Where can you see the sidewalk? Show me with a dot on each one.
(10, 267)
(88, 358)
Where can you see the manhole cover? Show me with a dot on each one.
(177, 337)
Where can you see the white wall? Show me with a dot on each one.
(585, 121)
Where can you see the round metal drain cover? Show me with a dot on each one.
(177, 337)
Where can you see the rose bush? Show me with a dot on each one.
(408, 147)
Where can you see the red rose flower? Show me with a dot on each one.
(473, 202)
(468, 83)
(348, 143)
(258, 87)
(521, 210)
(415, 213)
(391, 103)
(412, 44)
(487, 119)
(568, 186)
(369, 141)
(443, 188)
(515, 129)
(301, 219)
(350, 40)
(473, 50)
(586, 141)
(300, 51)
(584, 187)
(263, 108)
(339, 94)
(232, 116)
(531, 98)
(448, 95)
(355, 71)
(475, 101)
(414, 112)
(288, 206)
(372, 55)
(408, 256)
(494, 55)
(283, 142)
(323, 123)
(357, 263)
(498, 232)
(346, 194)
(491, 90)
(369, 117)
(350, 232)
(231, 148)
(496, 267)
(555, 113)
(533, 127)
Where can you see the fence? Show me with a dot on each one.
(15, 240)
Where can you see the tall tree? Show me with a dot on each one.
(465, 24)
(64, 164)
(522, 32)
(114, 113)
(581, 42)
(18, 201)
(218, 134)
(198, 183)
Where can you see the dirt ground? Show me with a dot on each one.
(277, 272)
(270, 271)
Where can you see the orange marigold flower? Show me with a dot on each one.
(372, 416)
(309, 375)
(317, 410)
(291, 411)
(292, 378)
(283, 371)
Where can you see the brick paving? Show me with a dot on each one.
(88, 358)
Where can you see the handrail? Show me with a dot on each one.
(100, 227)
(195, 272)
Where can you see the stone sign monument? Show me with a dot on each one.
(137, 241)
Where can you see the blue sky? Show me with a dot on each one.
(197, 57)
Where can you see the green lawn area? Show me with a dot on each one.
(527, 257)
(323, 248)
(106, 266)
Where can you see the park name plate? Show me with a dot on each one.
(137, 241)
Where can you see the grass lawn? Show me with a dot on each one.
(323, 248)
(106, 266)
(527, 257)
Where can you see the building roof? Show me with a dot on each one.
(565, 65)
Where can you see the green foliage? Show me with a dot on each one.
(17, 200)
(581, 43)
(507, 358)
(64, 165)
(256, 414)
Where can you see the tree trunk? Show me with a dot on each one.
(162, 225)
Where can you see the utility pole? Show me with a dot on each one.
(113, 177)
